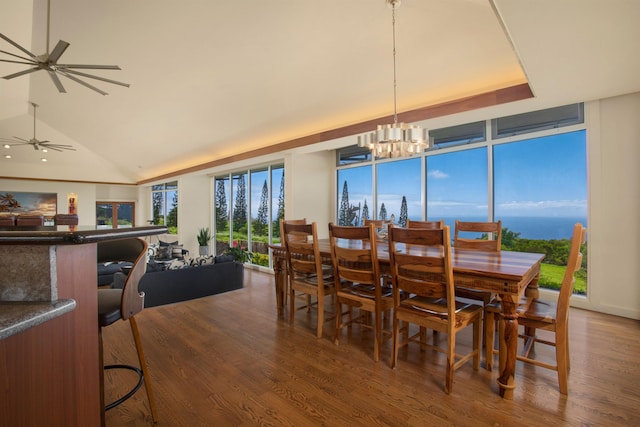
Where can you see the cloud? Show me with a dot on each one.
(542, 204)
(437, 174)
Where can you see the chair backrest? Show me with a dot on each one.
(430, 225)
(303, 255)
(354, 256)
(420, 260)
(289, 221)
(492, 230)
(30, 220)
(573, 265)
(133, 250)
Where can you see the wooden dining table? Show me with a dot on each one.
(509, 274)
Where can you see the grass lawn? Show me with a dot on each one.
(551, 277)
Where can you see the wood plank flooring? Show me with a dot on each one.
(229, 360)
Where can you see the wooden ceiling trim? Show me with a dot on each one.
(483, 100)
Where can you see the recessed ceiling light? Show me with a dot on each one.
(7, 146)
(7, 156)
(44, 150)
(43, 159)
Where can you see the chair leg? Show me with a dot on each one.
(396, 340)
(292, 305)
(320, 308)
(568, 358)
(378, 336)
(336, 334)
(143, 366)
(562, 362)
(489, 338)
(477, 339)
(451, 360)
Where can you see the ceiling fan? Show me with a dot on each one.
(34, 142)
(49, 62)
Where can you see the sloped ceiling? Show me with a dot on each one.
(211, 79)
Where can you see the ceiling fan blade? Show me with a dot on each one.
(24, 141)
(30, 61)
(21, 73)
(90, 67)
(59, 147)
(17, 62)
(78, 73)
(57, 82)
(77, 80)
(58, 51)
(16, 45)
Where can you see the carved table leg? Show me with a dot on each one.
(508, 346)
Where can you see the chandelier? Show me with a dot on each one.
(397, 139)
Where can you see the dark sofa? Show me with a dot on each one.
(170, 286)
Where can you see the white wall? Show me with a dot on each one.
(309, 180)
(194, 209)
(614, 206)
(86, 195)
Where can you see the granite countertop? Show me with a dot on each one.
(18, 316)
(65, 235)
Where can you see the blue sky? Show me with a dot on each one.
(543, 177)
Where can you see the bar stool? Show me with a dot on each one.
(125, 303)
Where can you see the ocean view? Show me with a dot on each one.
(538, 228)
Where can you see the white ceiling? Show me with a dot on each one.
(211, 79)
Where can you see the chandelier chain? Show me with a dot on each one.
(393, 25)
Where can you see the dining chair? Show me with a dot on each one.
(281, 223)
(430, 225)
(481, 236)
(536, 314)
(125, 303)
(358, 281)
(421, 268)
(306, 273)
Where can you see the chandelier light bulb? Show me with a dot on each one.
(397, 139)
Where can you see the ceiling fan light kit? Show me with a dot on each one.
(49, 62)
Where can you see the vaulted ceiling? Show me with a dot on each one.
(212, 79)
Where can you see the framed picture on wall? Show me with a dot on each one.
(15, 202)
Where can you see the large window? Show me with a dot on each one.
(248, 206)
(540, 188)
(527, 170)
(164, 201)
(355, 195)
(457, 186)
(399, 203)
(115, 215)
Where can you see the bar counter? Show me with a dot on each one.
(49, 359)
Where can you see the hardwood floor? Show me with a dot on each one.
(228, 360)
